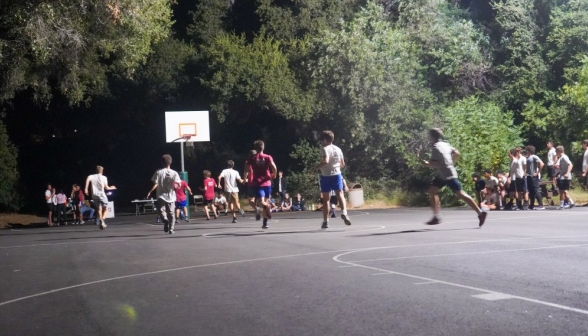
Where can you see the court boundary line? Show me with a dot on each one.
(453, 284)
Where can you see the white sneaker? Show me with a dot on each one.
(346, 219)
(102, 224)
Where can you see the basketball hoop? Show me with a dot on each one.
(186, 138)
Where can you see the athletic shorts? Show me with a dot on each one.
(251, 192)
(512, 187)
(550, 172)
(563, 184)
(453, 184)
(331, 183)
(262, 192)
(209, 201)
(334, 200)
(233, 198)
(521, 184)
(182, 204)
(100, 201)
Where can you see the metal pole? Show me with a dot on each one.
(182, 154)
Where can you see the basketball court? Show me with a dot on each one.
(388, 274)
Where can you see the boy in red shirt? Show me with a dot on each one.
(182, 200)
(209, 185)
(263, 170)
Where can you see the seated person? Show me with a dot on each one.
(85, 207)
(490, 201)
(273, 206)
(286, 203)
(220, 202)
(298, 203)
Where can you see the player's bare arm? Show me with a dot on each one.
(323, 163)
(87, 183)
(569, 170)
(455, 155)
(274, 170)
(152, 190)
(246, 172)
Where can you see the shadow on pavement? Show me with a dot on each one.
(410, 231)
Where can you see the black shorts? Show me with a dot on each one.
(563, 185)
(334, 200)
(550, 172)
(521, 184)
(453, 184)
(50, 206)
(209, 202)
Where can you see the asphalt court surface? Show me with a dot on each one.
(523, 273)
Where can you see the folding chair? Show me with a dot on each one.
(198, 201)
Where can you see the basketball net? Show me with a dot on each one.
(187, 137)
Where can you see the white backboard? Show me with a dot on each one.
(187, 122)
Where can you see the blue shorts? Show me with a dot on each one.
(182, 204)
(264, 192)
(331, 183)
(453, 184)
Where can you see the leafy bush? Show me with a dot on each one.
(9, 199)
(483, 134)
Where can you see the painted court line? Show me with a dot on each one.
(426, 283)
(493, 296)
(486, 291)
(470, 253)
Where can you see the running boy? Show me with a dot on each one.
(182, 201)
(331, 179)
(231, 177)
(263, 170)
(209, 185)
(99, 187)
(165, 181)
(443, 158)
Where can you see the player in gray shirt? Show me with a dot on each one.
(442, 158)
(534, 166)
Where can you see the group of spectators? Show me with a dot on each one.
(522, 183)
(59, 205)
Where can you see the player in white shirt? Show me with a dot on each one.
(565, 178)
(49, 202)
(99, 186)
(521, 177)
(585, 162)
(534, 166)
(231, 177)
(331, 179)
(512, 188)
(443, 158)
(551, 157)
(165, 181)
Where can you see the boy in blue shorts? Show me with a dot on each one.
(443, 157)
(263, 169)
(331, 179)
